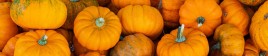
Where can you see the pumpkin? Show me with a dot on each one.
(42, 43)
(134, 45)
(97, 28)
(170, 11)
(199, 14)
(252, 2)
(38, 14)
(2, 54)
(10, 46)
(251, 49)
(183, 42)
(8, 28)
(234, 13)
(124, 3)
(104, 2)
(258, 28)
(95, 53)
(141, 19)
(230, 40)
(73, 8)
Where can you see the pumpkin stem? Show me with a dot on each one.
(265, 16)
(100, 22)
(216, 46)
(180, 37)
(43, 40)
(74, 0)
(200, 21)
(263, 53)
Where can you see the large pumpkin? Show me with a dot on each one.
(258, 28)
(42, 43)
(134, 45)
(204, 15)
(73, 8)
(234, 13)
(124, 3)
(252, 2)
(141, 19)
(170, 11)
(38, 14)
(10, 46)
(8, 28)
(97, 28)
(251, 49)
(230, 40)
(180, 42)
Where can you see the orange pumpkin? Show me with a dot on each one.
(10, 46)
(38, 14)
(188, 42)
(234, 13)
(230, 40)
(2, 54)
(134, 45)
(42, 43)
(8, 28)
(73, 8)
(141, 19)
(97, 28)
(252, 2)
(124, 3)
(170, 11)
(95, 53)
(251, 49)
(204, 15)
(258, 28)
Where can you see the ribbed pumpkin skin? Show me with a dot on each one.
(234, 13)
(251, 49)
(141, 19)
(170, 12)
(134, 45)
(38, 14)
(124, 3)
(8, 28)
(258, 28)
(56, 44)
(191, 10)
(10, 46)
(73, 8)
(195, 44)
(231, 40)
(91, 34)
(252, 2)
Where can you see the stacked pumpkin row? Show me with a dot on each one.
(61, 27)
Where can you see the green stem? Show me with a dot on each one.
(100, 22)
(180, 37)
(43, 40)
(216, 46)
(200, 21)
(262, 53)
(74, 0)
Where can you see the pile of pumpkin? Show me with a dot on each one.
(133, 27)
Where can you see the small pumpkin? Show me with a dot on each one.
(73, 8)
(123, 3)
(258, 28)
(183, 42)
(252, 2)
(141, 19)
(134, 45)
(8, 28)
(42, 43)
(251, 49)
(2, 54)
(230, 40)
(38, 14)
(97, 28)
(10, 46)
(199, 14)
(170, 11)
(234, 13)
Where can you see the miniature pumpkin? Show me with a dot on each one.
(38, 14)
(42, 43)
(73, 8)
(230, 40)
(252, 2)
(124, 3)
(134, 45)
(10, 46)
(2, 54)
(183, 42)
(204, 15)
(97, 28)
(141, 19)
(170, 11)
(234, 13)
(251, 49)
(258, 28)
(8, 28)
